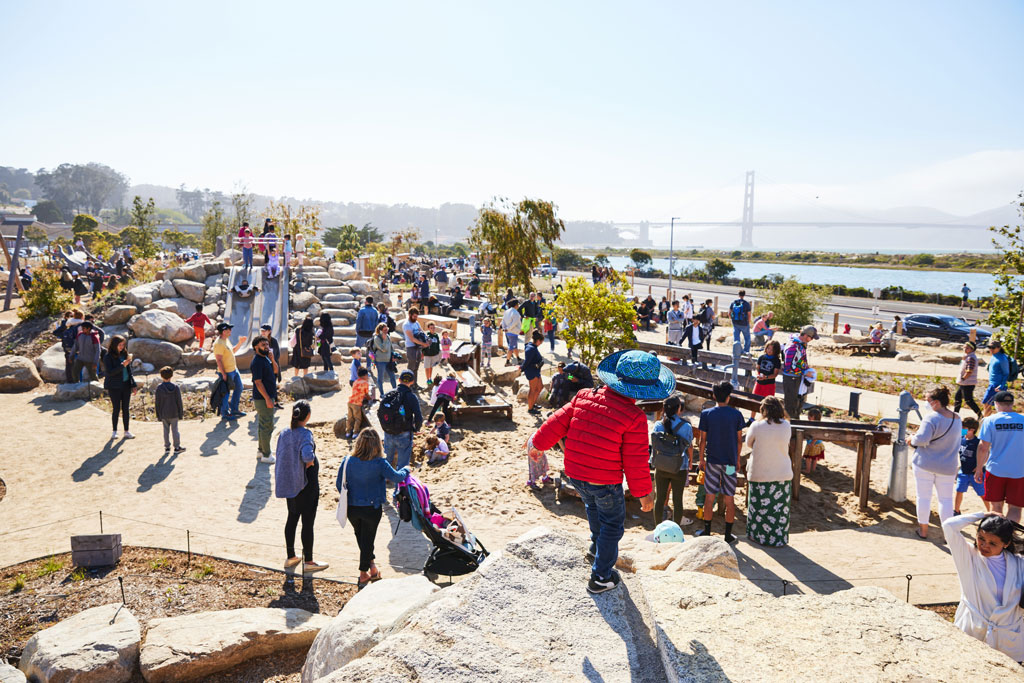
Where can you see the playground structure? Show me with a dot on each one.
(268, 305)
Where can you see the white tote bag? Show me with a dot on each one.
(342, 513)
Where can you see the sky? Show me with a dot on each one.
(613, 110)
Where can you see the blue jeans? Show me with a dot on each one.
(398, 449)
(551, 338)
(472, 329)
(761, 338)
(247, 256)
(229, 406)
(382, 369)
(744, 330)
(606, 514)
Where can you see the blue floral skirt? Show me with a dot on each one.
(768, 512)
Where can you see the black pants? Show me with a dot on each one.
(662, 480)
(364, 520)
(119, 399)
(441, 404)
(694, 351)
(325, 353)
(69, 364)
(965, 394)
(303, 506)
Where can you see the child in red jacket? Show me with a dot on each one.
(199, 321)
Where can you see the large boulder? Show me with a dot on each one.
(504, 376)
(143, 295)
(191, 290)
(99, 644)
(364, 621)
(303, 300)
(194, 271)
(192, 646)
(342, 271)
(863, 634)
(163, 305)
(118, 315)
(322, 382)
(213, 267)
(161, 325)
(231, 255)
(174, 273)
(295, 386)
(110, 331)
(525, 615)
(167, 289)
(707, 554)
(360, 287)
(18, 373)
(78, 391)
(181, 306)
(213, 294)
(8, 674)
(51, 364)
(155, 351)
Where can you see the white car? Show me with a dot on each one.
(546, 269)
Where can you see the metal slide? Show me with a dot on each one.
(272, 307)
(268, 306)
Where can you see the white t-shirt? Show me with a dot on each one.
(997, 565)
(442, 447)
(687, 310)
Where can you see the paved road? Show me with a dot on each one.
(853, 310)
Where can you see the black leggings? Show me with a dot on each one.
(965, 394)
(303, 506)
(441, 404)
(325, 353)
(119, 399)
(662, 481)
(364, 520)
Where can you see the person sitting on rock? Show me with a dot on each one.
(273, 266)
(244, 289)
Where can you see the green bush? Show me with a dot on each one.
(794, 303)
(45, 297)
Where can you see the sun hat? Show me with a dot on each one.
(667, 532)
(637, 374)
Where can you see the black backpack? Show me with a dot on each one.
(435, 346)
(392, 414)
(1014, 370)
(737, 312)
(668, 452)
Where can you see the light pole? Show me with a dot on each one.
(671, 254)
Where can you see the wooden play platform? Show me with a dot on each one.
(481, 406)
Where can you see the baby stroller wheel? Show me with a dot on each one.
(431, 576)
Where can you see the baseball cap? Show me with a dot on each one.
(407, 376)
(972, 345)
(1003, 397)
(810, 330)
(266, 327)
(224, 326)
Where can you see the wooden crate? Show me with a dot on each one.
(481, 406)
(96, 550)
(470, 383)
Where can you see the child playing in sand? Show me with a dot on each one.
(814, 450)
(437, 450)
(444, 394)
(442, 430)
(446, 346)
(968, 463)
(486, 339)
(876, 334)
(538, 467)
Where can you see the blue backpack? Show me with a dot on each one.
(738, 311)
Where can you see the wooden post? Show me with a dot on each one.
(649, 292)
(858, 468)
(715, 311)
(869, 449)
(835, 324)
(899, 326)
(796, 455)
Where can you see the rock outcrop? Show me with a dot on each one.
(191, 290)
(364, 621)
(99, 644)
(143, 295)
(118, 315)
(17, 374)
(50, 364)
(196, 645)
(78, 391)
(155, 351)
(161, 325)
(709, 555)
(8, 674)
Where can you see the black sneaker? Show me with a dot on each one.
(730, 539)
(595, 585)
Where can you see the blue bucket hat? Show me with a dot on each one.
(637, 374)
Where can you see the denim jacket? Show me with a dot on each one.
(366, 479)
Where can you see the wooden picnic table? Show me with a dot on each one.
(481, 406)
(440, 321)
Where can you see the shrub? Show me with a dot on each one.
(45, 297)
(795, 304)
(600, 317)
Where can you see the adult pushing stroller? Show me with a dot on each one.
(455, 551)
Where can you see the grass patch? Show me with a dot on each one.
(51, 566)
(78, 574)
(204, 570)
(18, 584)
(158, 563)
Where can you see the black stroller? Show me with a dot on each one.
(455, 551)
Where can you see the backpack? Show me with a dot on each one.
(668, 451)
(1014, 368)
(738, 311)
(68, 336)
(392, 415)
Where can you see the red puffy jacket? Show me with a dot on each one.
(605, 436)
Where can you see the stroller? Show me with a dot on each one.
(455, 551)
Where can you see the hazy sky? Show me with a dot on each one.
(613, 110)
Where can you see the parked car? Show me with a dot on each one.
(944, 327)
(546, 269)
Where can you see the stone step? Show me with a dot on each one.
(309, 270)
(323, 282)
(340, 305)
(339, 315)
(344, 296)
(338, 289)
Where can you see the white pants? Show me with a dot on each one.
(944, 485)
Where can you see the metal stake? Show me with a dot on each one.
(124, 600)
(101, 521)
(909, 577)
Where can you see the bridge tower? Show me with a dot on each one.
(747, 225)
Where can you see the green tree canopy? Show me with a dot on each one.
(90, 187)
(47, 211)
(640, 259)
(602, 260)
(510, 237)
(345, 239)
(35, 234)
(795, 304)
(600, 317)
(214, 226)
(717, 269)
(144, 219)
(1006, 304)
(83, 222)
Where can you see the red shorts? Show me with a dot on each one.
(764, 389)
(998, 489)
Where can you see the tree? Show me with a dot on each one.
(1006, 304)
(717, 269)
(600, 317)
(45, 297)
(602, 260)
(97, 242)
(305, 220)
(214, 226)
(144, 219)
(345, 239)
(640, 259)
(179, 239)
(89, 187)
(35, 234)
(510, 237)
(83, 222)
(241, 205)
(192, 202)
(47, 211)
(567, 259)
(404, 240)
(795, 304)
(368, 234)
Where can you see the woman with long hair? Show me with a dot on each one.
(769, 475)
(302, 350)
(366, 473)
(675, 425)
(326, 340)
(119, 382)
(936, 459)
(991, 573)
(296, 479)
(383, 356)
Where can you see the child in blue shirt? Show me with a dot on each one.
(968, 463)
(354, 368)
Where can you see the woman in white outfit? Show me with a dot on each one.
(937, 458)
(675, 324)
(991, 576)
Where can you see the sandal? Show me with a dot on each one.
(917, 532)
(374, 578)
